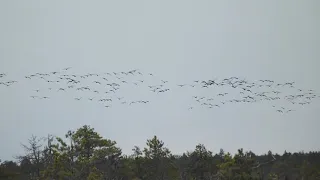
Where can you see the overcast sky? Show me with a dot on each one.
(179, 41)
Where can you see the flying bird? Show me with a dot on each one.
(66, 68)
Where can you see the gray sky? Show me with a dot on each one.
(179, 41)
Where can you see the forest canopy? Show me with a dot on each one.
(84, 154)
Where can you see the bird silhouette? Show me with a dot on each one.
(67, 68)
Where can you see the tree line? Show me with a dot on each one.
(85, 155)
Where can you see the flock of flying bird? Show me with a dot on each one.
(111, 82)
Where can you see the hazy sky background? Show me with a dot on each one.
(179, 41)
